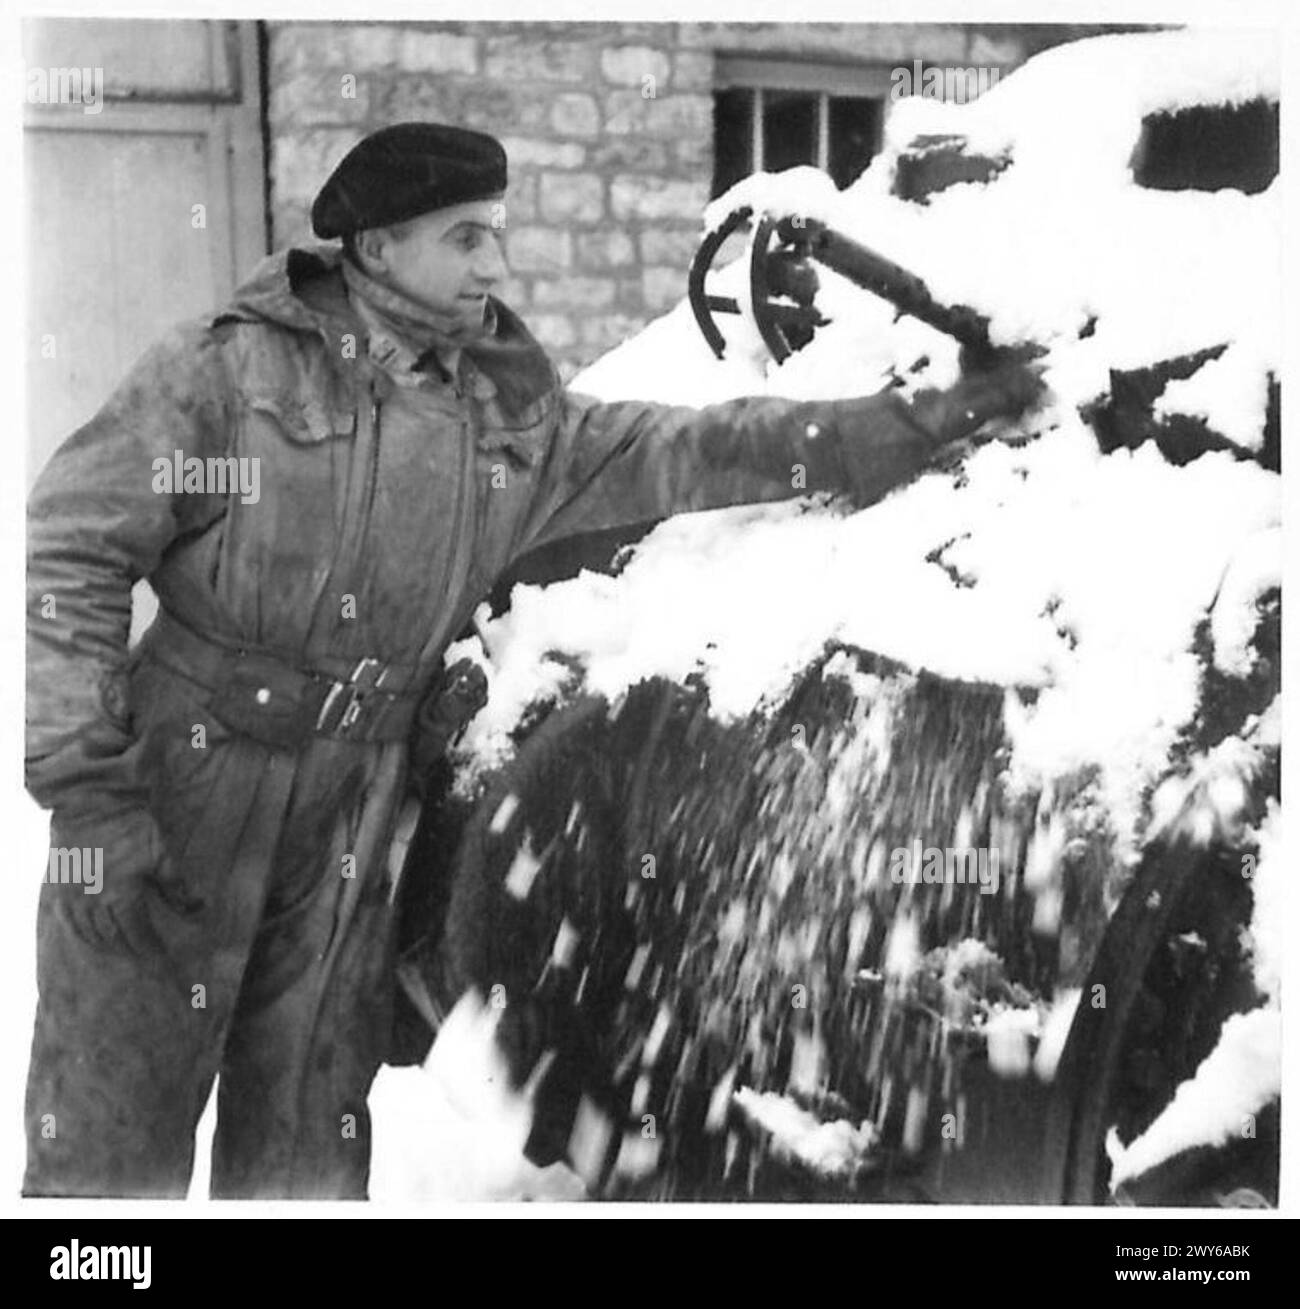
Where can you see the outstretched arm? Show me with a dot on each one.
(626, 462)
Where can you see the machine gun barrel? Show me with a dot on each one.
(783, 286)
(874, 273)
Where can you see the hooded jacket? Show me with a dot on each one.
(384, 507)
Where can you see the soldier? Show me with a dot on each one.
(320, 482)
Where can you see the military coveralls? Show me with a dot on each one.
(244, 922)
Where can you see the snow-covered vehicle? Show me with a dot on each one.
(693, 824)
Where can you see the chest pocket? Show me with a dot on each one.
(297, 420)
(290, 392)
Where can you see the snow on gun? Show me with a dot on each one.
(1092, 603)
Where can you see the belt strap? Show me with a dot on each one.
(262, 694)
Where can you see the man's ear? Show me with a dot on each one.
(371, 246)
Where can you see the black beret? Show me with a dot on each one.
(404, 171)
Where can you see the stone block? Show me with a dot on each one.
(584, 293)
(652, 199)
(630, 65)
(301, 161)
(436, 52)
(604, 249)
(674, 247)
(527, 59)
(629, 152)
(538, 249)
(534, 152)
(668, 114)
(574, 113)
(327, 96)
(572, 197)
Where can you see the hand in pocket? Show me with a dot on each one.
(102, 870)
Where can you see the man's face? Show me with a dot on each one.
(449, 259)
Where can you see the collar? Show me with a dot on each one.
(304, 290)
(406, 336)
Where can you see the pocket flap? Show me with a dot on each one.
(306, 422)
(522, 449)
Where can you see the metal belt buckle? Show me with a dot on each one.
(349, 699)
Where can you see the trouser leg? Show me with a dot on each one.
(312, 1021)
(122, 1062)
(304, 1047)
(136, 994)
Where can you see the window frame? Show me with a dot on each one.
(870, 81)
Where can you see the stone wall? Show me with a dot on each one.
(608, 127)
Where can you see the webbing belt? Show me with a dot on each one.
(262, 694)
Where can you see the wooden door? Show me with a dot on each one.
(144, 197)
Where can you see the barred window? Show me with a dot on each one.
(773, 114)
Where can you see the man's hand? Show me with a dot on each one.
(885, 440)
(1006, 390)
(110, 910)
(458, 695)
